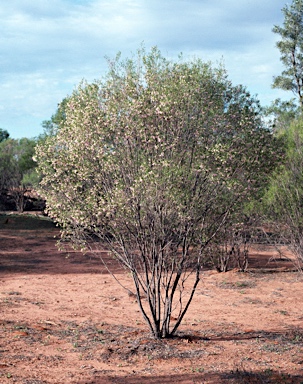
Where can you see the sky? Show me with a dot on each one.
(48, 47)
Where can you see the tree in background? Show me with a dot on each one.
(151, 163)
(3, 135)
(280, 114)
(284, 198)
(56, 121)
(291, 48)
(17, 169)
(283, 201)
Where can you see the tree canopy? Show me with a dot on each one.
(17, 168)
(3, 134)
(291, 48)
(283, 199)
(56, 121)
(151, 162)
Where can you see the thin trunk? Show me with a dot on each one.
(188, 302)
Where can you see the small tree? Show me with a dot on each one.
(291, 48)
(284, 198)
(3, 134)
(17, 168)
(150, 163)
(230, 248)
(56, 121)
(280, 114)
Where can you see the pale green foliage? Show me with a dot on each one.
(17, 168)
(152, 161)
(291, 48)
(281, 114)
(56, 121)
(284, 198)
(8, 164)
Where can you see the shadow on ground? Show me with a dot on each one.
(28, 244)
(25, 221)
(238, 377)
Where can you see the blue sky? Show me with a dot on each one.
(48, 47)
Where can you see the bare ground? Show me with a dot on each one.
(65, 320)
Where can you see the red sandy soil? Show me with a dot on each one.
(64, 319)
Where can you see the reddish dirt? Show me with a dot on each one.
(65, 320)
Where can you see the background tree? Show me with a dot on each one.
(151, 163)
(3, 170)
(3, 135)
(17, 168)
(284, 198)
(231, 246)
(283, 201)
(280, 114)
(56, 121)
(291, 48)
